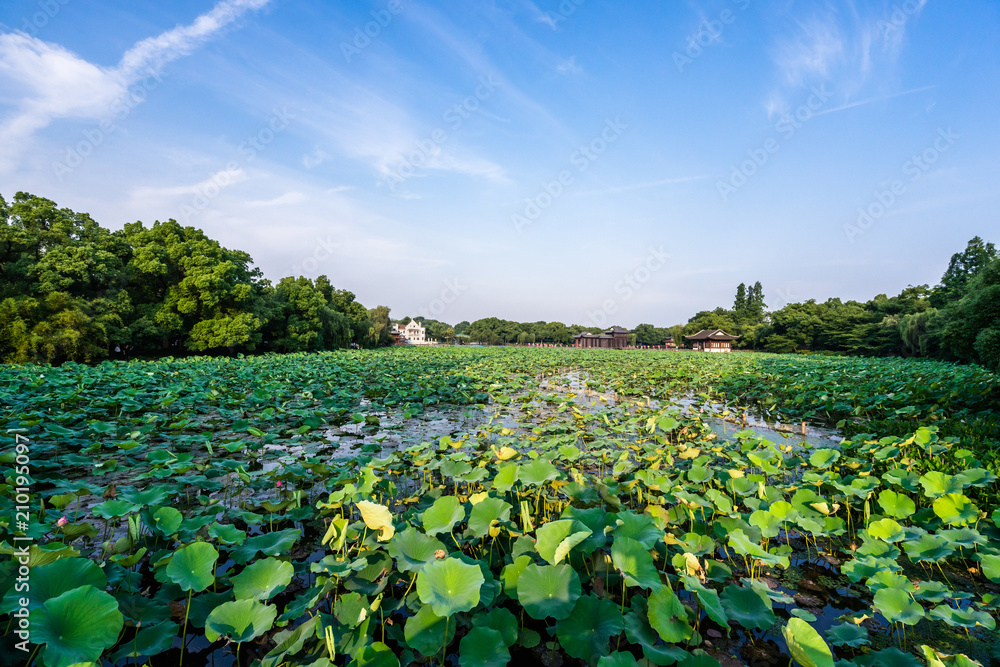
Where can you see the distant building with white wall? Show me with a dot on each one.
(413, 332)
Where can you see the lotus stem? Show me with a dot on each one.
(187, 610)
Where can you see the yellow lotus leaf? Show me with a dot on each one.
(377, 517)
(506, 453)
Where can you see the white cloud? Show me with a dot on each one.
(811, 53)
(54, 83)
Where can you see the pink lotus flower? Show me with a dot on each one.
(279, 484)
(62, 522)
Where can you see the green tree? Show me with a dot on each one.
(740, 303)
(962, 268)
(192, 290)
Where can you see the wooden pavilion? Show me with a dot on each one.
(712, 340)
(614, 338)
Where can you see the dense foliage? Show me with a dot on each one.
(72, 290)
(253, 506)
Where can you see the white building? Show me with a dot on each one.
(412, 332)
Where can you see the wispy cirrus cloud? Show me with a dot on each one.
(853, 49)
(53, 83)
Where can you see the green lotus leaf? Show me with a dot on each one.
(511, 574)
(548, 591)
(967, 538)
(847, 634)
(153, 496)
(897, 606)
(699, 474)
(556, 539)
(227, 533)
(537, 472)
(140, 610)
(896, 505)
(928, 547)
(168, 520)
(426, 632)
(112, 509)
(54, 579)
(239, 621)
(150, 641)
(442, 516)
(937, 483)
(887, 530)
(991, 566)
(618, 659)
(975, 477)
(639, 631)
(192, 566)
(698, 658)
(501, 620)
(413, 549)
(485, 512)
(769, 524)
(449, 586)
(375, 654)
(955, 509)
(805, 644)
(483, 647)
(748, 607)
(491, 588)
(506, 477)
(963, 618)
(888, 657)
(639, 527)
(885, 579)
(584, 634)
(742, 545)
(275, 543)
(351, 609)
(262, 579)
(707, 598)
(76, 626)
(824, 458)
(668, 616)
(931, 591)
(634, 561)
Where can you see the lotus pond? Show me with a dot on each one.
(500, 506)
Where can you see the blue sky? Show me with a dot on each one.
(583, 161)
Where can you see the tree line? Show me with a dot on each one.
(71, 290)
(957, 320)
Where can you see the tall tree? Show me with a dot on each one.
(740, 303)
